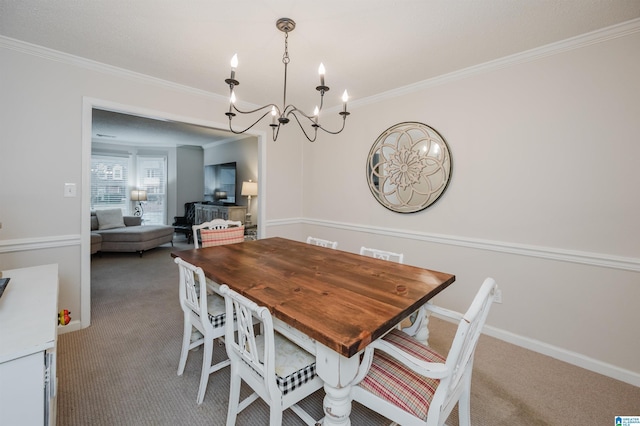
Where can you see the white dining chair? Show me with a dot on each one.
(205, 313)
(382, 254)
(278, 371)
(206, 235)
(322, 243)
(410, 383)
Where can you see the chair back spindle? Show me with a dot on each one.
(382, 254)
(278, 371)
(322, 243)
(218, 232)
(206, 314)
(460, 358)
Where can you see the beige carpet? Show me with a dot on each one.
(122, 369)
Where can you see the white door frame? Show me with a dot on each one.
(88, 104)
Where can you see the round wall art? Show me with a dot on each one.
(409, 167)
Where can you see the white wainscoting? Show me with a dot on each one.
(595, 259)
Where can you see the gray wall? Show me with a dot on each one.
(245, 153)
(190, 176)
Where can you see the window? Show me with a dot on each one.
(152, 177)
(109, 182)
(113, 177)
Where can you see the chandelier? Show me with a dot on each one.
(281, 115)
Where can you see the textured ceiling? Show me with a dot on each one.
(367, 46)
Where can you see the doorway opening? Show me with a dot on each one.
(169, 125)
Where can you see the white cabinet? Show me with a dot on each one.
(28, 335)
(208, 212)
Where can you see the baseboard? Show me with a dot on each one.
(555, 352)
(74, 325)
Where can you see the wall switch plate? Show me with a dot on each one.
(70, 190)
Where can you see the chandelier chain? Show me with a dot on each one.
(285, 57)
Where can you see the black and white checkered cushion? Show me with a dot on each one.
(216, 310)
(297, 379)
(294, 365)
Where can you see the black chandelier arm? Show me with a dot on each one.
(321, 100)
(254, 123)
(290, 109)
(336, 132)
(344, 120)
(257, 109)
(315, 126)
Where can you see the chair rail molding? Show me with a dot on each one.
(40, 243)
(551, 253)
(574, 256)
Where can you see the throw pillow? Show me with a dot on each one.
(109, 219)
(218, 237)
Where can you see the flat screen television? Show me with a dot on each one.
(220, 183)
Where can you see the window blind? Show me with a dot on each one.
(152, 177)
(109, 182)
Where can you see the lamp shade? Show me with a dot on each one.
(138, 195)
(249, 189)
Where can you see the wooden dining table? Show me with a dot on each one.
(331, 302)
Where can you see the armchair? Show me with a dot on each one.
(411, 384)
(183, 224)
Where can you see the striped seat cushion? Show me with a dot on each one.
(395, 383)
(218, 237)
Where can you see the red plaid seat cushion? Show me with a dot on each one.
(218, 237)
(393, 382)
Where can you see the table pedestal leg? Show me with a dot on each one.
(338, 373)
(422, 334)
(337, 406)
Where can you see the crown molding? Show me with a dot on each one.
(597, 36)
(57, 56)
(594, 37)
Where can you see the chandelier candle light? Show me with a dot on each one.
(280, 116)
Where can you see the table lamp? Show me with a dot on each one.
(138, 195)
(249, 189)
